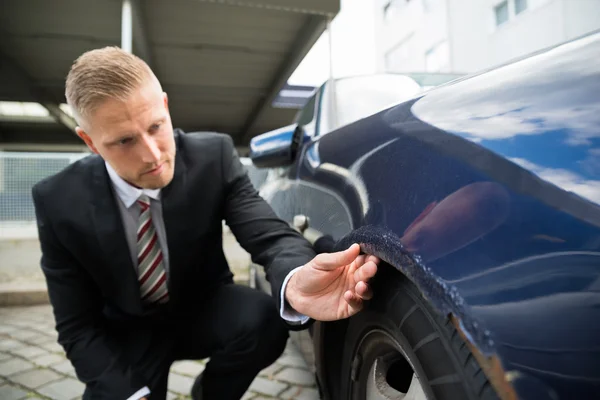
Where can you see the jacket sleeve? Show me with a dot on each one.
(271, 242)
(77, 306)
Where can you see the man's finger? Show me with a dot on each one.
(366, 272)
(353, 301)
(373, 258)
(363, 291)
(329, 261)
(360, 260)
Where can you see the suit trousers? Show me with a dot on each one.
(237, 327)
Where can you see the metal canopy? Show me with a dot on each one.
(221, 62)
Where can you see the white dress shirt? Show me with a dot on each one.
(127, 196)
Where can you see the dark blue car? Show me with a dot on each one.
(482, 197)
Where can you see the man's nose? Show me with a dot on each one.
(150, 151)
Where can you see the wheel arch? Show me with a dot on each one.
(443, 297)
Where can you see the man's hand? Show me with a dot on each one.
(332, 286)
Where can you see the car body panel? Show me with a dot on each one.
(486, 191)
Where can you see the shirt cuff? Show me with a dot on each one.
(140, 393)
(286, 311)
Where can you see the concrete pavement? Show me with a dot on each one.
(33, 365)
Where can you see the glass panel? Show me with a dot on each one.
(501, 11)
(308, 112)
(520, 6)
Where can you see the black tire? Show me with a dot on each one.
(401, 331)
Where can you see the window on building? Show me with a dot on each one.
(520, 6)
(501, 12)
(437, 58)
(389, 10)
(391, 7)
(386, 8)
(428, 5)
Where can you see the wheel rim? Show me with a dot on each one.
(376, 381)
(378, 388)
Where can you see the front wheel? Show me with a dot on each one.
(399, 348)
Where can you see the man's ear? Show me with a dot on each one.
(86, 138)
(166, 100)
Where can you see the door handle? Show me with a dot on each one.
(301, 224)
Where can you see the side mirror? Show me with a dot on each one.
(277, 148)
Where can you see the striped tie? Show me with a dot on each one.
(151, 270)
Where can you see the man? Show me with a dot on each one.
(132, 248)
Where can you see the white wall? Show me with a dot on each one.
(474, 40)
(354, 49)
(478, 43)
(469, 47)
(581, 16)
(416, 26)
(527, 32)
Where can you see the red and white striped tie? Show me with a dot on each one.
(151, 270)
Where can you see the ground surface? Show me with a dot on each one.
(33, 365)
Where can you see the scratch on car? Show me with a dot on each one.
(491, 365)
(442, 295)
(551, 239)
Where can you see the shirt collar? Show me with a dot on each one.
(126, 192)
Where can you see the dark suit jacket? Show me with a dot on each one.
(92, 283)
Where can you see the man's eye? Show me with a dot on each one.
(124, 141)
(155, 127)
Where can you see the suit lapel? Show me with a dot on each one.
(176, 217)
(111, 235)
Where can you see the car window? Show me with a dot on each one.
(360, 96)
(364, 96)
(307, 114)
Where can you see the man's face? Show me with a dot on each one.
(135, 137)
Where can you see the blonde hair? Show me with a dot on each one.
(101, 74)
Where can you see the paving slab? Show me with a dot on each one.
(10, 344)
(300, 393)
(295, 376)
(292, 360)
(7, 329)
(271, 370)
(14, 366)
(180, 384)
(36, 378)
(8, 392)
(40, 339)
(65, 389)
(53, 347)
(48, 359)
(187, 367)
(22, 334)
(65, 367)
(28, 352)
(172, 396)
(267, 386)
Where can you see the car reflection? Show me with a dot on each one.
(458, 220)
(531, 115)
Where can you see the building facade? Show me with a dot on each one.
(469, 35)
